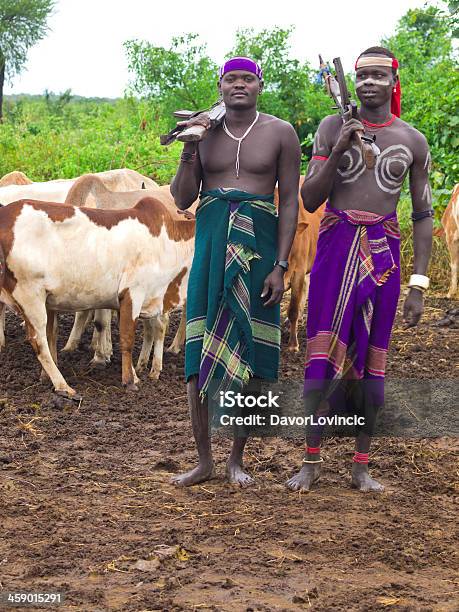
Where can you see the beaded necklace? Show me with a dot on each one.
(377, 126)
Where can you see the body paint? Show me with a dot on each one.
(385, 179)
(370, 81)
(355, 165)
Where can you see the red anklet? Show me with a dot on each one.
(313, 450)
(360, 457)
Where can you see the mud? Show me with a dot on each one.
(86, 507)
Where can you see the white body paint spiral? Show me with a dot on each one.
(385, 179)
(355, 167)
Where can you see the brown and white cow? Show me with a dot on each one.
(17, 186)
(450, 223)
(56, 257)
(300, 261)
(154, 329)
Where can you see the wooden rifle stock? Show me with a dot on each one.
(366, 148)
(194, 133)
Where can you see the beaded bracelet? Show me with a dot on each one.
(418, 216)
(188, 158)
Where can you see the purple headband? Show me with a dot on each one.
(241, 63)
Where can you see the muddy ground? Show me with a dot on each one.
(87, 508)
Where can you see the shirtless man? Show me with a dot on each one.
(241, 252)
(355, 280)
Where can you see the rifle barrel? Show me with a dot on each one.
(345, 97)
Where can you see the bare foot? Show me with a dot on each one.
(236, 475)
(201, 473)
(362, 480)
(306, 477)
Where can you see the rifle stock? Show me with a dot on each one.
(194, 133)
(366, 148)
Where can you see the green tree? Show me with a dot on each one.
(290, 90)
(430, 89)
(22, 24)
(453, 8)
(182, 76)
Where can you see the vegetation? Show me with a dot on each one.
(430, 90)
(184, 75)
(22, 24)
(55, 136)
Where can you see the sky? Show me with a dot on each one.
(84, 48)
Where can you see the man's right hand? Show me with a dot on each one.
(201, 119)
(345, 136)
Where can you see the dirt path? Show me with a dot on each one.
(85, 495)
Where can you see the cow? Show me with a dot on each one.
(15, 178)
(154, 329)
(450, 223)
(55, 257)
(300, 262)
(91, 190)
(122, 179)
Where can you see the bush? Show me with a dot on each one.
(49, 139)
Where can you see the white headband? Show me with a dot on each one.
(366, 60)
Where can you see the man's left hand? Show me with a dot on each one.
(413, 307)
(274, 284)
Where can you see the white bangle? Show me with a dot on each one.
(419, 281)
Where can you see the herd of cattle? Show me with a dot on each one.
(115, 241)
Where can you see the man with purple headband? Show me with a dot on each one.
(355, 280)
(241, 251)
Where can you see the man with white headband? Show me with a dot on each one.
(355, 280)
(241, 251)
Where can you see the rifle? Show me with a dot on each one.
(337, 89)
(195, 133)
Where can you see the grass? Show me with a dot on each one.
(439, 270)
